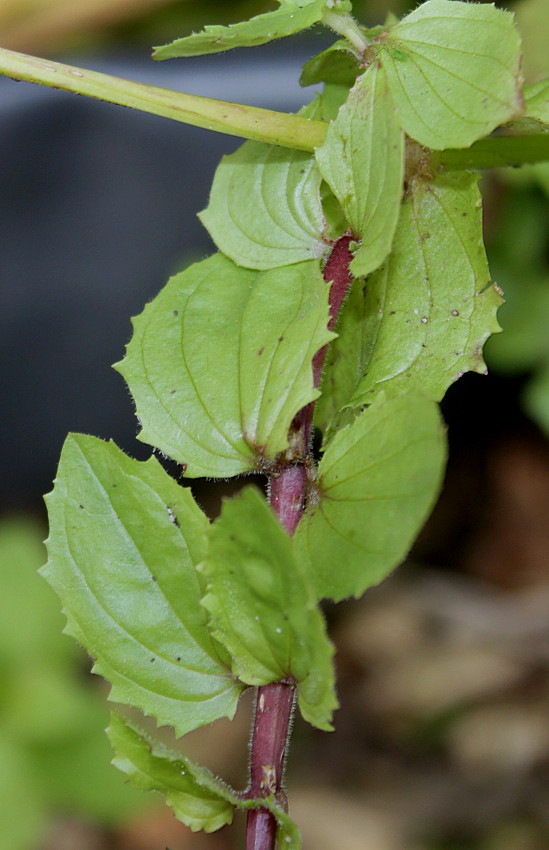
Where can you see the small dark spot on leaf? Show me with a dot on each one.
(261, 350)
(280, 338)
(455, 312)
(81, 507)
(114, 485)
(176, 312)
(392, 312)
(464, 215)
(153, 578)
(178, 658)
(172, 392)
(152, 659)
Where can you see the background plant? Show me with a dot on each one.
(455, 194)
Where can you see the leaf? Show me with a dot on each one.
(197, 798)
(422, 319)
(220, 362)
(292, 16)
(338, 64)
(377, 483)
(265, 208)
(262, 608)
(453, 71)
(287, 834)
(537, 101)
(362, 160)
(124, 541)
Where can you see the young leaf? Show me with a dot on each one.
(220, 362)
(292, 16)
(265, 208)
(338, 64)
(262, 608)
(196, 797)
(377, 483)
(422, 319)
(124, 541)
(362, 160)
(454, 71)
(432, 302)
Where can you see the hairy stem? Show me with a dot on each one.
(347, 27)
(288, 493)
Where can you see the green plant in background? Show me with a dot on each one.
(350, 290)
(52, 744)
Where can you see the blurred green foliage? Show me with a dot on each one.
(519, 254)
(53, 750)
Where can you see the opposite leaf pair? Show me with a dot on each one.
(126, 541)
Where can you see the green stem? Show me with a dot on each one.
(347, 27)
(251, 122)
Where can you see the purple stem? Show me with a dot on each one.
(288, 490)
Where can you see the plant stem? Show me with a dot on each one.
(347, 27)
(249, 122)
(236, 119)
(288, 493)
(273, 712)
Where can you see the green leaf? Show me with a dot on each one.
(265, 208)
(196, 797)
(124, 541)
(362, 160)
(454, 71)
(331, 100)
(220, 362)
(292, 16)
(287, 833)
(338, 64)
(262, 608)
(422, 319)
(377, 483)
(537, 101)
